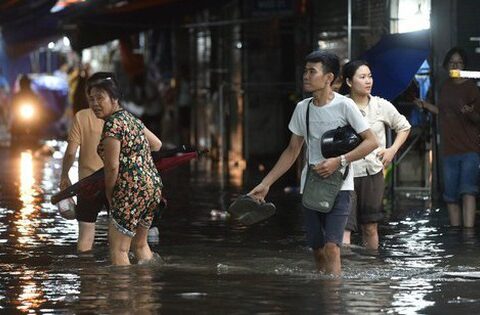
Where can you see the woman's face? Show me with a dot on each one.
(362, 81)
(101, 103)
(456, 62)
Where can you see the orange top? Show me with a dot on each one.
(86, 132)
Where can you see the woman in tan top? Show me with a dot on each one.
(369, 181)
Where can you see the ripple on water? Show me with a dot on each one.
(217, 264)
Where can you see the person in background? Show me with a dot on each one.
(184, 101)
(26, 104)
(327, 110)
(369, 182)
(459, 112)
(4, 99)
(79, 99)
(132, 183)
(84, 134)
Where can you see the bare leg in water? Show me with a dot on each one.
(86, 236)
(119, 244)
(327, 259)
(370, 235)
(140, 245)
(469, 209)
(455, 214)
(347, 237)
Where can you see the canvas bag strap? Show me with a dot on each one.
(307, 124)
(347, 169)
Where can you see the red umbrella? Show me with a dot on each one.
(166, 163)
(95, 183)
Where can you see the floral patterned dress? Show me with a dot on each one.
(137, 191)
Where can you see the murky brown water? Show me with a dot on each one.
(214, 266)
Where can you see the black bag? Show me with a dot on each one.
(339, 141)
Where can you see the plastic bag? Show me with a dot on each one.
(66, 208)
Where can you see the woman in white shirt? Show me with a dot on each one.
(368, 172)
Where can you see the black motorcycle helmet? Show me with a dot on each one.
(339, 141)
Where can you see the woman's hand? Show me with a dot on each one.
(419, 103)
(426, 105)
(386, 156)
(259, 192)
(467, 109)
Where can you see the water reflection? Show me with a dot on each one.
(120, 290)
(216, 265)
(25, 224)
(27, 180)
(411, 296)
(31, 296)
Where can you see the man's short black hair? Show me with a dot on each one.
(328, 60)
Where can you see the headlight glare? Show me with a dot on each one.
(27, 111)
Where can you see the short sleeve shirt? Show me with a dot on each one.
(86, 131)
(339, 112)
(138, 178)
(459, 133)
(379, 113)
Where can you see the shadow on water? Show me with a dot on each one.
(211, 264)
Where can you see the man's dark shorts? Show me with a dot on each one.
(322, 228)
(87, 209)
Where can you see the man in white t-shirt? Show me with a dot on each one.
(327, 110)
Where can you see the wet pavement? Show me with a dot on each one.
(213, 265)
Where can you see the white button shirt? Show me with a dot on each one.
(379, 113)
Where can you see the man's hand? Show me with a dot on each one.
(327, 167)
(259, 192)
(65, 182)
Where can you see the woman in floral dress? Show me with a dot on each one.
(132, 183)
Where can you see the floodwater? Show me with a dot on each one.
(212, 265)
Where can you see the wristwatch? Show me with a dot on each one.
(343, 160)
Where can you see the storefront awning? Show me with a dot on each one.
(27, 24)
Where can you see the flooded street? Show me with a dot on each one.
(212, 265)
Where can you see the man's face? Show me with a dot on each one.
(314, 78)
